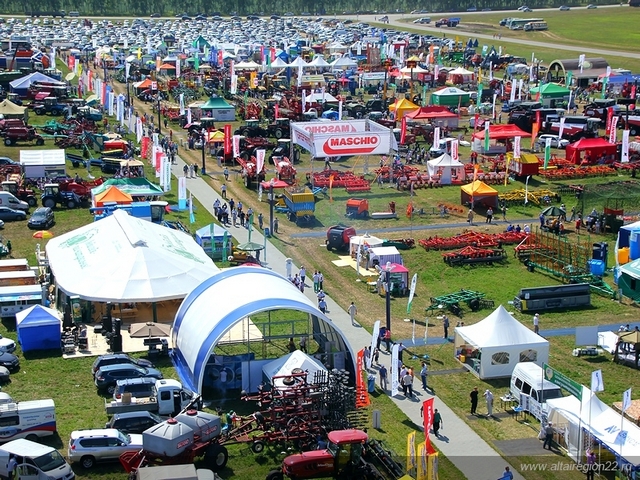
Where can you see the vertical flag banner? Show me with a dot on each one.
(516, 147)
(395, 382)
(547, 152)
(512, 94)
(182, 110)
(625, 147)
(626, 400)
(227, 139)
(236, 145)
(568, 79)
(260, 153)
(182, 193)
(427, 419)
(609, 119)
(455, 155)
(506, 171)
(535, 128)
(613, 130)
(189, 115)
(331, 188)
(421, 472)
(340, 110)
(411, 452)
(412, 291)
(192, 218)
(403, 130)
(486, 135)
(480, 88)
(432, 465)
(234, 84)
(436, 136)
(374, 341)
(597, 385)
(167, 173)
(561, 128)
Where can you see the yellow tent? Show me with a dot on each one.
(216, 137)
(480, 192)
(403, 106)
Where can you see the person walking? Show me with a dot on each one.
(445, 326)
(383, 377)
(320, 280)
(488, 396)
(195, 169)
(489, 215)
(190, 171)
(437, 422)
(303, 344)
(591, 464)
(474, 400)
(275, 225)
(316, 283)
(223, 191)
(401, 349)
(322, 305)
(507, 474)
(260, 221)
(303, 273)
(470, 217)
(234, 216)
(225, 172)
(352, 313)
(536, 323)
(387, 339)
(423, 375)
(407, 384)
(185, 170)
(548, 435)
(12, 467)
(376, 355)
(504, 213)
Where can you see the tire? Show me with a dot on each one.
(71, 204)
(111, 389)
(278, 133)
(39, 111)
(39, 141)
(32, 437)
(49, 202)
(55, 112)
(245, 133)
(88, 462)
(8, 142)
(216, 457)
(257, 447)
(32, 201)
(633, 131)
(275, 475)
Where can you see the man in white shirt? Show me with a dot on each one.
(536, 323)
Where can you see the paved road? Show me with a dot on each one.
(394, 20)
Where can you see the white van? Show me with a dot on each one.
(8, 199)
(34, 418)
(530, 389)
(35, 461)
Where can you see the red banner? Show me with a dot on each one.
(158, 160)
(427, 419)
(362, 396)
(144, 147)
(609, 117)
(403, 131)
(227, 139)
(276, 109)
(538, 119)
(220, 59)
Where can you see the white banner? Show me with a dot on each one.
(626, 400)
(234, 84)
(597, 384)
(561, 129)
(512, 94)
(182, 188)
(304, 101)
(625, 147)
(166, 161)
(189, 115)
(516, 147)
(374, 341)
(520, 85)
(395, 383)
(235, 140)
(182, 104)
(340, 110)
(436, 136)
(454, 150)
(613, 130)
(260, 159)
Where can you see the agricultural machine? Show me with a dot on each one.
(301, 205)
(18, 191)
(52, 196)
(357, 208)
(51, 106)
(350, 454)
(81, 188)
(284, 166)
(279, 128)
(339, 237)
(22, 134)
(249, 170)
(251, 129)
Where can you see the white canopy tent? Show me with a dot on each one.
(250, 65)
(319, 62)
(364, 241)
(500, 342)
(382, 255)
(298, 62)
(569, 414)
(415, 70)
(278, 63)
(343, 63)
(318, 97)
(287, 364)
(125, 259)
(445, 166)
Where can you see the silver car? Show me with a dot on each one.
(101, 445)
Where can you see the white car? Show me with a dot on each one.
(556, 142)
(101, 445)
(7, 345)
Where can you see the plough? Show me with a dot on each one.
(473, 239)
(472, 255)
(538, 197)
(474, 300)
(578, 172)
(346, 180)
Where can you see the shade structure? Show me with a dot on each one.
(480, 192)
(502, 342)
(283, 366)
(415, 70)
(154, 263)
(593, 148)
(501, 132)
(8, 109)
(298, 62)
(167, 66)
(251, 65)
(550, 90)
(402, 107)
(343, 62)
(430, 113)
(136, 187)
(319, 62)
(250, 247)
(278, 63)
(450, 96)
(112, 194)
(39, 328)
(149, 329)
(44, 234)
(446, 167)
(553, 211)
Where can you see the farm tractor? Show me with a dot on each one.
(52, 196)
(349, 454)
(50, 105)
(280, 128)
(20, 192)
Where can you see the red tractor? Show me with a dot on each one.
(249, 174)
(349, 455)
(20, 192)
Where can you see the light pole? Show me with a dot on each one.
(387, 290)
(271, 183)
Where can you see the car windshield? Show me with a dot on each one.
(333, 448)
(126, 439)
(50, 461)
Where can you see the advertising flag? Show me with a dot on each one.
(421, 473)
(613, 130)
(561, 128)
(427, 418)
(189, 115)
(260, 153)
(547, 152)
(626, 400)
(331, 188)
(412, 291)
(403, 130)
(609, 119)
(516, 147)
(411, 452)
(625, 147)
(236, 146)
(374, 341)
(182, 104)
(597, 385)
(486, 135)
(192, 217)
(455, 155)
(480, 88)
(182, 193)
(234, 84)
(436, 136)
(534, 134)
(227, 139)
(512, 94)
(568, 79)
(395, 383)
(340, 110)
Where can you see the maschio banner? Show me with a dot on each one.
(348, 138)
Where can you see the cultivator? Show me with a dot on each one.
(474, 255)
(537, 197)
(296, 410)
(347, 180)
(564, 259)
(571, 173)
(474, 300)
(472, 239)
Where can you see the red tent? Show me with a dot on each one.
(427, 113)
(597, 150)
(502, 131)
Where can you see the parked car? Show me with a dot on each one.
(9, 361)
(42, 218)
(108, 375)
(133, 422)
(7, 345)
(8, 161)
(556, 142)
(591, 6)
(119, 358)
(101, 445)
(9, 214)
(564, 8)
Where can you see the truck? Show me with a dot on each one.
(168, 398)
(179, 441)
(447, 22)
(50, 105)
(175, 472)
(349, 454)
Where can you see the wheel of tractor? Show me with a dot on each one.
(275, 475)
(39, 141)
(55, 112)
(39, 111)
(32, 201)
(245, 133)
(8, 142)
(279, 133)
(216, 457)
(71, 204)
(49, 202)
(257, 447)
(633, 131)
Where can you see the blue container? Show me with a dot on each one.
(634, 245)
(597, 267)
(371, 383)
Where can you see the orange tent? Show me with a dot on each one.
(402, 107)
(112, 194)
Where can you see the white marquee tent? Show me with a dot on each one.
(287, 364)
(570, 415)
(502, 342)
(445, 167)
(125, 259)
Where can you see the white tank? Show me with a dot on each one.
(169, 438)
(204, 425)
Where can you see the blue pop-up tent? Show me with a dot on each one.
(39, 328)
